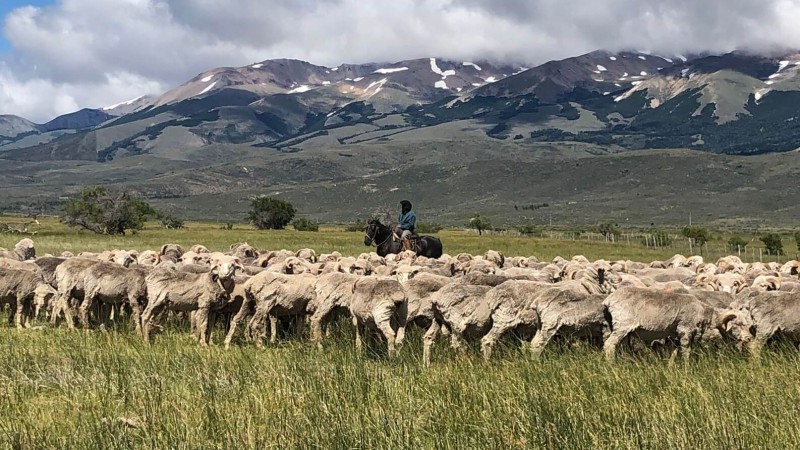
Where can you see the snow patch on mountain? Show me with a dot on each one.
(441, 84)
(490, 79)
(390, 70)
(207, 79)
(601, 68)
(208, 88)
(782, 65)
(127, 102)
(300, 89)
(467, 63)
(257, 66)
(642, 58)
(613, 58)
(358, 79)
(435, 68)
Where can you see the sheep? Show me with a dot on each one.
(271, 295)
(171, 252)
(418, 309)
(374, 305)
(113, 284)
(463, 310)
(21, 289)
(333, 291)
(168, 289)
(69, 278)
(23, 251)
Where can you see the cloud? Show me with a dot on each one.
(90, 53)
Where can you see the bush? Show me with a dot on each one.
(356, 227)
(699, 235)
(226, 226)
(479, 223)
(607, 229)
(737, 242)
(171, 223)
(267, 213)
(429, 228)
(305, 225)
(773, 243)
(101, 212)
(797, 239)
(528, 230)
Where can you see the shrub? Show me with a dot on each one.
(737, 242)
(267, 213)
(528, 229)
(797, 239)
(607, 229)
(101, 212)
(171, 223)
(305, 225)
(480, 224)
(429, 228)
(773, 243)
(699, 235)
(356, 227)
(226, 226)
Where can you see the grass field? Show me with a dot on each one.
(62, 389)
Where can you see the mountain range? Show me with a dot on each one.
(427, 128)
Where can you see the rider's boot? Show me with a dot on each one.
(406, 244)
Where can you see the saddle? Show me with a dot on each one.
(408, 244)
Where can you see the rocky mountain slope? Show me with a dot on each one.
(306, 131)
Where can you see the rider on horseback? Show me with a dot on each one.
(406, 223)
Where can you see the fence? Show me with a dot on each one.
(676, 243)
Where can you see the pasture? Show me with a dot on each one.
(106, 389)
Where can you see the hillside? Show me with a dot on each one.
(591, 136)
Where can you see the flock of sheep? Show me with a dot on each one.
(682, 302)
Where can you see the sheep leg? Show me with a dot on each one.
(359, 327)
(152, 311)
(273, 332)
(543, 336)
(201, 317)
(757, 344)
(611, 343)
(388, 332)
(317, 318)
(17, 311)
(137, 315)
(257, 327)
(83, 311)
(212, 322)
(495, 333)
(428, 340)
(237, 319)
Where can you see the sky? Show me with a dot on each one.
(57, 56)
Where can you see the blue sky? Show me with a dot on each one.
(8, 5)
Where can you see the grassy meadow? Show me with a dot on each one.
(105, 389)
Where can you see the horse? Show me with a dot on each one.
(380, 235)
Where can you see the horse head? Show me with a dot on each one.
(372, 231)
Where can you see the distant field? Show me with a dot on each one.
(77, 390)
(54, 238)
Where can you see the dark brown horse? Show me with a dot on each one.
(378, 234)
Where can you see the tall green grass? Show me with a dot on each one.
(61, 389)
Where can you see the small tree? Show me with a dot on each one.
(356, 227)
(609, 230)
(303, 224)
(773, 243)
(699, 235)
(737, 242)
(170, 222)
(797, 239)
(267, 213)
(101, 212)
(479, 223)
(429, 228)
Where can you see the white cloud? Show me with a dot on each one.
(91, 53)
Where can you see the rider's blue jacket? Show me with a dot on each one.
(408, 221)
